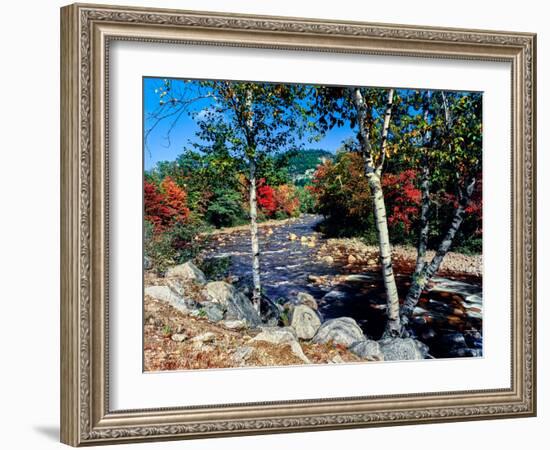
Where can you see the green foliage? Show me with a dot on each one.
(158, 248)
(307, 200)
(215, 268)
(301, 165)
(176, 245)
(225, 209)
(342, 196)
(186, 240)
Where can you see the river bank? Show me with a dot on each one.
(327, 305)
(355, 253)
(193, 323)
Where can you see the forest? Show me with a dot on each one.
(290, 224)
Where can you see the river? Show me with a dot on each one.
(448, 317)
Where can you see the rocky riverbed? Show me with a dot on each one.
(190, 323)
(325, 303)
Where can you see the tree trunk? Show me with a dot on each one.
(393, 326)
(253, 204)
(424, 222)
(422, 279)
(374, 174)
(257, 288)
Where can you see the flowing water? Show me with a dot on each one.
(448, 317)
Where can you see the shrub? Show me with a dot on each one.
(158, 248)
(225, 209)
(215, 268)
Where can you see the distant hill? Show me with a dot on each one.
(302, 164)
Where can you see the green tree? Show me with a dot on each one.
(444, 139)
(250, 121)
(369, 113)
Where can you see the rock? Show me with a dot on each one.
(328, 259)
(428, 334)
(335, 296)
(337, 360)
(147, 263)
(292, 237)
(304, 298)
(343, 331)
(234, 325)
(474, 313)
(187, 271)
(453, 340)
(305, 321)
(178, 337)
(351, 259)
(269, 231)
(270, 312)
(465, 352)
(418, 311)
(241, 354)
(275, 335)
(368, 349)
(402, 349)
(303, 240)
(165, 294)
(214, 311)
(235, 303)
(473, 339)
(204, 338)
(360, 278)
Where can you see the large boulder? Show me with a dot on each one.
(186, 271)
(369, 350)
(304, 321)
(282, 336)
(214, 311)
(270, 312)
(235, 304)
(343, 331)
(304, 298)
(165, 294)
(402, 349)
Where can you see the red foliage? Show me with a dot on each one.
(266, 198)
(402, 197)
(156, 211)
(287, 200)
(474, 210)
(175, 199)
(166, 205)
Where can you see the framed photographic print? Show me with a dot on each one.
(280, 224)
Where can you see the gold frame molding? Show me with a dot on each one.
(86, 31)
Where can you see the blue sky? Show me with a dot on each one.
(159, 148)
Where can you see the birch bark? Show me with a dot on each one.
(253, 205)
(421, 280)
(373, 173)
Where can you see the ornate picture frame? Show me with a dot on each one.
(87, 32)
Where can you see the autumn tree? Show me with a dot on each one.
(369, 112)
(250, 120)
(165, 205)
(444, 139)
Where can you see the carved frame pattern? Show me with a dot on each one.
(86, 33)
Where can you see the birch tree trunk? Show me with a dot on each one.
(393, 326)
(429, 270)
(253, 205)
(256, 283)
(374, 173)
(424, 222)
